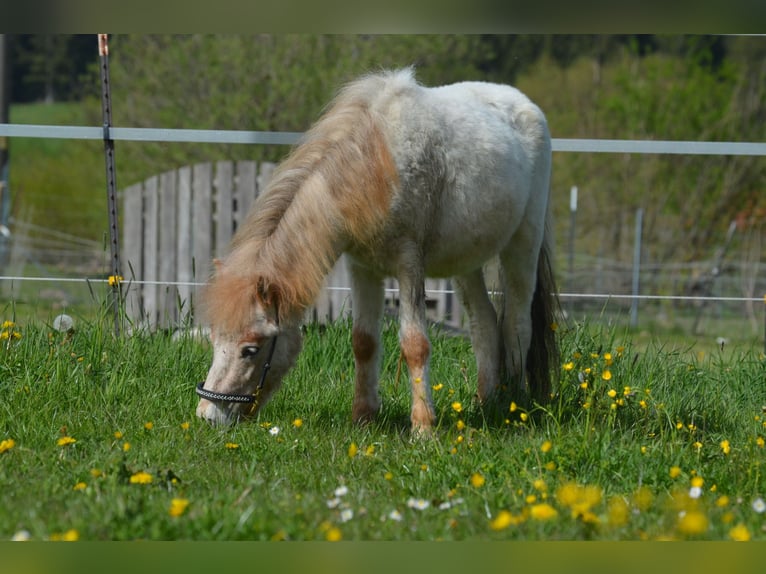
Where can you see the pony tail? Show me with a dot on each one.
(543, 354)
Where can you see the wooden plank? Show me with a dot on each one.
(264, 176)
(224, 206)
(167, 302)
(151, 248)
(202, 220)
(184, 261)
(132, 249)
(246, 189)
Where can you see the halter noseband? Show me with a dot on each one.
(234, 398)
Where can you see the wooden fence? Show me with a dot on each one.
(175, 223)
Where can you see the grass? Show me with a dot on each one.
(105, 446)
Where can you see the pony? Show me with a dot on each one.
(409, 181)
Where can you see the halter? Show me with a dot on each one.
(234, 398)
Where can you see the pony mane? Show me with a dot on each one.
(336, 185)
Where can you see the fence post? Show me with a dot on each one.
(572, 222)
(636, 267)
(111, 184)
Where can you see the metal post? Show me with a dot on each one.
(115, 279)
(572, 221)
(636, 267)
(5, 192)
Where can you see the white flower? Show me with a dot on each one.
(341, 491)
(21, 536)
(395, 515)
(418, 503)
(333, 503)
(759, 505)
(274, 431)
(695, 492)
(445, 505)
(346, 514)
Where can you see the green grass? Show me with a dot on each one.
(604, 472)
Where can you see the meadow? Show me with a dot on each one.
(99, 441)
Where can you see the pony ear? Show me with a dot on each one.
(267, 293)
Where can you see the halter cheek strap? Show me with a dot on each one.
(235, 398)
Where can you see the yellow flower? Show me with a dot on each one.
(697, 481)
(117, 435)
(7, 444)
(141, 478)
(178, 506)
(149, 425)
(438, 387)
(524, 417)
(125, 446)
(70, 535)
(725, 446)
(674, 472)
(389, 475)
(80, 486)
(539, 485)
(568, 366)
(513, 407)
(115, 280)
(352, 450)
(8, 325)
(546, 446)
(477, 480)
(370, 450)
(460, 425)
(722, 501)
(618, 511)
(457, 407)
(606, 375)
(612, 393)
(333, 534)
(760, 442)
(298, 423)
(96, 473)
(185, 425)
(65, 441)
(697, 445)
(739, 533)
(231, 445)
(542, 511)
(502, 521)
(692, 522)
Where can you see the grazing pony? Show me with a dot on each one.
(410, 182)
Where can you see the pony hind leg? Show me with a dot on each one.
(518, 270)
(367, 297)
(485, 335)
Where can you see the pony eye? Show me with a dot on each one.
(249, 351)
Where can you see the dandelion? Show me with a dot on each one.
(70, 535)
(542, 512)
(524, 417)
(231, 445)
(612, 393)
(125, 446)
(417, 503)
(568, 366)
(333, 534)
(438, 387)
(697, 446)
(477, 480)
(274, 431)
(722, 501)
(760, 442)
(607, 375)
(692, 522)
(759, 505)
(141, 478)
(7, 445)
(725, 446)
(298, 423)
(185, 425)
(389, 475)
(148, 425)
(502, 521)
(513, 407)
(80, 486)
(617, 511)
(117, 435)
(352, 450)
(546, 446)
(674, 472)
(539, 485)
(460, 425)
(739, 533)
(457, 407)
(96, 472)
(178, 506)
(66, 441)
(115, 280)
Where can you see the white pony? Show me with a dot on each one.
(410, 182)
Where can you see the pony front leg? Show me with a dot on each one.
(367, 297)
(416, 348)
